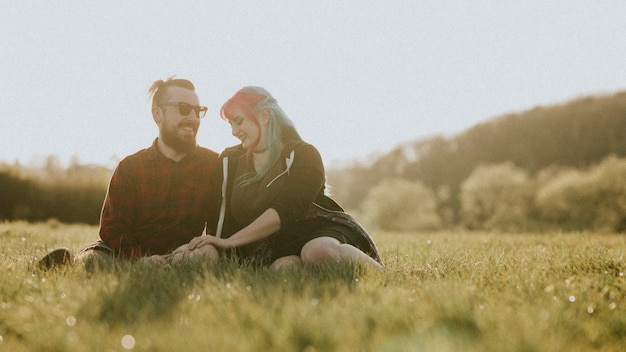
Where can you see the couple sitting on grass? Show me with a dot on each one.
(262, 201)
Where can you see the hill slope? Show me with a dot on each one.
(577, 134)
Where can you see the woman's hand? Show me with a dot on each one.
(202, 241)
(261, 228)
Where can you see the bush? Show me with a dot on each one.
(496, 197)
(401, 205)
(587, 200)
(71, 195)
(14, 192)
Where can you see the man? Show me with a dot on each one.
(157, 197)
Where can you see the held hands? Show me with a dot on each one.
(185, 253)
(202, 241)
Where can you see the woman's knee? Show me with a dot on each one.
(286, 262)
(321, 249)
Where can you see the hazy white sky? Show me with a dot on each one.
(356, 77)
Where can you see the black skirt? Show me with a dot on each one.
(291, 241)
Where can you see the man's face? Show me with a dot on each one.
(179, 131)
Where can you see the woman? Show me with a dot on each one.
(273, 205)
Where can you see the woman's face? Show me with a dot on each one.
(245, 129)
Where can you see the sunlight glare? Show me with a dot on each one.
(128, 342)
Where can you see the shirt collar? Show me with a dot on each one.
(154, 152)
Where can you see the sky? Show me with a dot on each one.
(358, 78)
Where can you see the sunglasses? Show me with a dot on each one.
(184, 109)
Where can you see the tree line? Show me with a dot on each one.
(522, 158)
(559, 166)
(72, 194)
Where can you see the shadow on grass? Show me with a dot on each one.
(314, 279)
(141, 291)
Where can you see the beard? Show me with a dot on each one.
(180, 143)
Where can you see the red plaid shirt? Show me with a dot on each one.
(154, 204)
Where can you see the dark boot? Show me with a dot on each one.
(56, 258)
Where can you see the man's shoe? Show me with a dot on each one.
(56, 258)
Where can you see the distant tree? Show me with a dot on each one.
(434, 162)
(586, 200)
(574, 134)
(401, 205)
(72, 195)
(496, 197)
(13, 195)
(558, 201)
(349, 185)
(52, 168)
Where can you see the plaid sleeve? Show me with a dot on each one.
(118, 212)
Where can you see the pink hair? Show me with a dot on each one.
(246, 101)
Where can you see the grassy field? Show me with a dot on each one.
(479, 292)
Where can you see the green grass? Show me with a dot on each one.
(480, 292)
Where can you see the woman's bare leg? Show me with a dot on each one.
(286, 262)
(325, 249)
